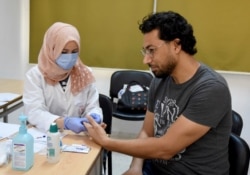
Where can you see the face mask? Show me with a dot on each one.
(67, 61)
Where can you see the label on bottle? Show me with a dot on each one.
(53, 148)
(51, 152)
(19, 155)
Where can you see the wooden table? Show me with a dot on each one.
(69, 164)
(11, 86)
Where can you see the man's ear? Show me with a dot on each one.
(177, 45)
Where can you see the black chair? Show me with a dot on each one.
(107, 109)
(118, 79)
(239, 154)
(237, 123)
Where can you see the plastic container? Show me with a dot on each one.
(22, 148)
(3, 154)
(53, 144)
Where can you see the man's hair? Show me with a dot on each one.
(171, 25)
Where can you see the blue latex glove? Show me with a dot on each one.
(75, 124)
(96, 117)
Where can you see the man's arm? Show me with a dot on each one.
(180, 135)
(146, 131)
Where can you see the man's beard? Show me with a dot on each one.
(165, 71)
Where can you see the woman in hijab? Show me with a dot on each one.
(60, 88)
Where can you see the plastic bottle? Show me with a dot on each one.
(22, 148)
(53, 144)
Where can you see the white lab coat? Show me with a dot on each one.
(44, 103)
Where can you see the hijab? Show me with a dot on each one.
(55, 39)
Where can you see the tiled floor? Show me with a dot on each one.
(121, 162)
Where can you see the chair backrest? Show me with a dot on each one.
(121, 77)
(237, 123)
(239, 154)
(107, 110)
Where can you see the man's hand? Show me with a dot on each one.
(96, 131)
(132, 171)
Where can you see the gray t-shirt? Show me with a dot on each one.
(204, 99)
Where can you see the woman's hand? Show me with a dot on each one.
(75, 124)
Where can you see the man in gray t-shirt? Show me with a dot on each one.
(188, 122)
(203, 99)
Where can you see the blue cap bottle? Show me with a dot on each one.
(22, 148)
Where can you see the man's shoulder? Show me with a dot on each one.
(210, 75)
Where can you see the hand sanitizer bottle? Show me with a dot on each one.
(22, 148)
(53, 144)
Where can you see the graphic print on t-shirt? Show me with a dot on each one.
(166, 112)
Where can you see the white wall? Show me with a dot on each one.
(14, 37)
(14, 45)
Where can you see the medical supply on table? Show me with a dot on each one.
(22, 148)
(8, 130)
(3, 154)
(53, 144)
(76, 148)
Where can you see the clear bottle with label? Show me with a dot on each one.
(22, 148)
(53, 144)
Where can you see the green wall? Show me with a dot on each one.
(110, 37)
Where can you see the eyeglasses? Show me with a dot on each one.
(150, 51)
